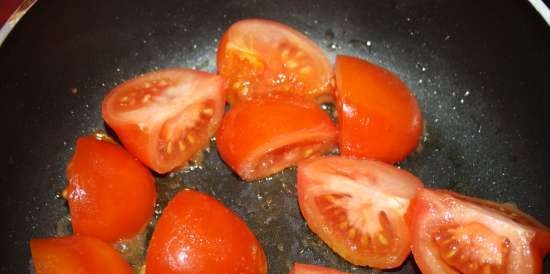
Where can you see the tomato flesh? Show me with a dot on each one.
(462, 247)
(260, 56)
(358, 208)
(379, 117)
(453, 233)
(198, 234)
(166, 117)
(76, 255)
(111, 195)
(313, 269)
(260, 137)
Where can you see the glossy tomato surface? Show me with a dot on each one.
(378, 116)
(76, 255)
(260, 137)
(165, 117)
(358, 207)
(261, 56)
(198, 234)
(313, 269)
(111, 195)
(455, 234)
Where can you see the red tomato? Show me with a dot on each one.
(261, 137)
(166, 117)
(358, 208)
(76, 255)
(111, 195)
(198, 234)
(259, 56)
(455, 234)
(379, 117)
(313, 269)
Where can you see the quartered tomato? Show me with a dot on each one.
(358, 208)
(379, 117)
(165, 117)
(261, 56)
(111, 195)
(76, 255)
(260, 137)
(313, 269)
(198, 234)
(456, 234)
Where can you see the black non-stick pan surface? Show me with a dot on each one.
(480, 70)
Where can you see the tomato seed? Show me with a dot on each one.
(141, 126)
(305, 70)
(162, 83)
(329, 198)
(146, 98)
(190, 138)
(236, 85)
(382, 239)
(351, 233)
(285, 53)
(181, 145)
(343, 225)
(451, 253)
(208, 111)
(291, 64)
(169, 148)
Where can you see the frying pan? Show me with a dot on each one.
(480, 71)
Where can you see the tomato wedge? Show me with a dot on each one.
(313, 269)
(261, 137)
(76, 255)
(165, 117)
(260, 56)
(379, 117)
(358, 208)
(111, 195)
(198, 234)
(452, 233)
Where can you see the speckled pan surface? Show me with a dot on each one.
(480, 70)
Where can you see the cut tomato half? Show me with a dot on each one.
(111, 195)
(452, 233)
(378, 116)
(76, 255)
(261, 137)
(198, 234)
(313, 269)
(260, 56)
(165, 117)
(358, 207)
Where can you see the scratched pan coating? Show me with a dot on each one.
(478, 68)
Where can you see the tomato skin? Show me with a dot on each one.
(166, 117)
(198, 234)
(76, 255)
(260, 56)
(379, 117)
(111, 195)
(313, 269)
(279, 128)
(358, 208)
(433, 210)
